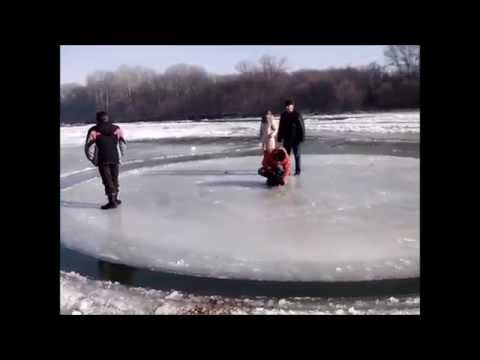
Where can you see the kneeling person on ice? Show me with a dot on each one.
(276, 167)
(104, 147)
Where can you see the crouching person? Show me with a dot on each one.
(276, 167)
(104, 147)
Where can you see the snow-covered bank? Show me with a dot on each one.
(379, 123)
(79, 295)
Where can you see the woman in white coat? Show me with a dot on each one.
(268, 132)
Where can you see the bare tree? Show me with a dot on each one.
(186, 91)
(185, 80)
(349, 96)
(246, 68)
(100, 83)
(67, 89)
(271, 66)
(404, 59)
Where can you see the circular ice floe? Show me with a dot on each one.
(332, 223)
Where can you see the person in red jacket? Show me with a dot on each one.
(276, 167)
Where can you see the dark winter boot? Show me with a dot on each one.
(111, 203)
(117, 200)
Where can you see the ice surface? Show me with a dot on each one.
(193, 218)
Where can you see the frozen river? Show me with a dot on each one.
(194, 206)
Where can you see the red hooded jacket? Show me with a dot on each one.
(269, 162)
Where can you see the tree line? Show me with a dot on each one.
(189, 92)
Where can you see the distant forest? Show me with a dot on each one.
(189, 92)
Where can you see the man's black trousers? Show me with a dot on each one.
(296, 151)
(109, 174)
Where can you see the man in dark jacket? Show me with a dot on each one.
(291, 132)
(104, 147)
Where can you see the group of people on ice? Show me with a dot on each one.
(105, 145)
(277, 144)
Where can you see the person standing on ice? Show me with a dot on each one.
(291, 132)
(267, 132)
(276, 167)
(104, 147)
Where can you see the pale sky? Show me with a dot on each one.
(76, 61)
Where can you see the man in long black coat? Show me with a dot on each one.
(291, 132)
